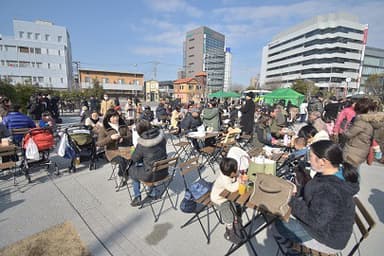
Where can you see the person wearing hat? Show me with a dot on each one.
(247, 120)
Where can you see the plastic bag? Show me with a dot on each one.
(62, 145)
(31, 151)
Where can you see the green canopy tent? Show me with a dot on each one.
(222, 94)
(286, 94)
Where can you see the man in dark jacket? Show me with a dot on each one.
(331, 110)
(15, 120)
(151, 147)
(247, 121)
(161, 112)
(316, 103)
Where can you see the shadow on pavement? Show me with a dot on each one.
(376, 199)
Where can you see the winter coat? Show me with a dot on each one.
(359, 138)
(105, 140)
(151, 147)
(16, 120)
(348, 114)
(147, 115)
(105, 105)
(211, 118)
(262, 136)
(330, 111)
(327, 210)
(175, 119)
(247, 121)
(161, 113)
(190, 123)
(377, 122)
(315, 105)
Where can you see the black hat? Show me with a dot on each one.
(250, 94)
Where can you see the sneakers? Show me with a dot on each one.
(136, 202)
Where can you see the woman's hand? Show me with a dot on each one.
(115, 136)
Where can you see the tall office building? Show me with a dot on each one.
(373, 62)
(204, 52)
(228, 69)
(38, 53)
(327, 50)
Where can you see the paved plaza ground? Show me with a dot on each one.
(108, 225)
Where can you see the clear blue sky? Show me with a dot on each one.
(117, 34)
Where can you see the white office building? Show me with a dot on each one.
(228, 69)
(38, 53)
(327, 50)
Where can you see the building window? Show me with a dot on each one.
(12, 64)
(49, 66)
(24, 49)
(47, 50)
(37, 36)
(192, 55)
(59, 52)
(50, 80)
(87, 79)
(192, 39)
(31, 50)
(192, 47)
(33, 64)
(21, 34)
(60, 66)
(39, 64)
(59, 39)
(47, 37)
(38, 50)
(62, 80)
(105, 80)
(1, 47)
(29, 35)
(34, 79)
(41, 79)
(2, 63)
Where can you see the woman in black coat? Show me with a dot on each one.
(151, 147)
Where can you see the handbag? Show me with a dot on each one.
(371, 153)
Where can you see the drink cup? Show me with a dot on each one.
(242, 188)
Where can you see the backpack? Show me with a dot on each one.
(196, 190)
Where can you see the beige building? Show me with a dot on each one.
(152, 90)
(117, 84)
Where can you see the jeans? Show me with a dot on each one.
(292, 230)
(136, 189)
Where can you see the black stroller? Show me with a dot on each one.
(82, 140)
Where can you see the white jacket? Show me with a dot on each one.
(223, 182)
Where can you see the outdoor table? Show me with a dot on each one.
(124, 152)
(245, 201)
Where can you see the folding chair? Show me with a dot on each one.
(162, 184)
(244, 141)
(179, 145)
(11, 165)
(204, 202)
(363, 221)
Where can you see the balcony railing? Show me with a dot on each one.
(109, 86)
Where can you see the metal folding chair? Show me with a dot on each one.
(11, 165)
(162, 185)
(204, 202)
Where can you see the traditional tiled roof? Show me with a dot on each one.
(185, 81)
(201, 74)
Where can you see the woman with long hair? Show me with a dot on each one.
(324, 215)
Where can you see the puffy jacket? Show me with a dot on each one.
(327, 210)
(211, 118)
(16, 120)
(359, 137)
(348, 114)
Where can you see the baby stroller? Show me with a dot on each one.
(43, 140)
(82, 140)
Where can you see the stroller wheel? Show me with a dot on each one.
(57, 171)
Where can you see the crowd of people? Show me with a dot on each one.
(333, 136)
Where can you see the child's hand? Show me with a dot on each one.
(115, 136)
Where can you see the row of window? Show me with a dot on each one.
(316, 61)
(319, 42)
(190, 87)
(29, 64)
(373, 61)
(320, 32)
(315, 71)
(30, 79)
(38, 36)
(106, 80)
(317, 51)
(315, 80)
(30, 50)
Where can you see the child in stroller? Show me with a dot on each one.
(82, 140)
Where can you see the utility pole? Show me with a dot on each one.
(155, 64)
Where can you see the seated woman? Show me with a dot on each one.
(112, 135)
(93, 122)
(262, 134)
(324, 216)
(151, 147)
